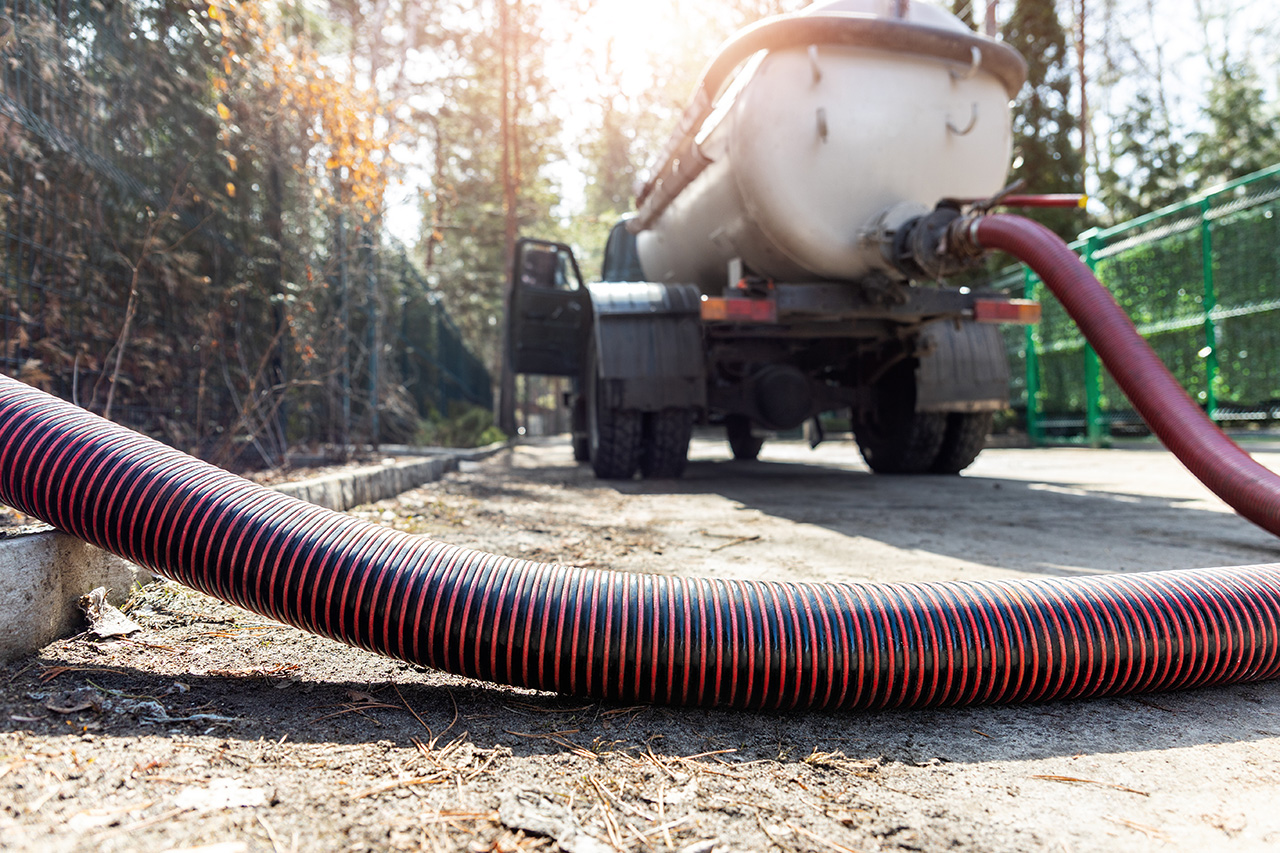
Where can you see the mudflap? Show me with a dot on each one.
(962, 368)
(648, 340)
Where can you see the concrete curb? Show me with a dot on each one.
(343, 491)
(44, 573)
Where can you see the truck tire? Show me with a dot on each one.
(581, 438)
(966, 434)
(742, 443)
(900, 440)
(665, 450)
(615, 440)
(614, 435)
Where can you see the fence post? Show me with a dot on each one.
(1210, 351)
(442, 388)
(1035, 429)
(372, 318)
(1096, 430)
(344, 340)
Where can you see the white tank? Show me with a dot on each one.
(856, 122)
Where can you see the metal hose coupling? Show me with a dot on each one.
(937, 244)
(961, 239)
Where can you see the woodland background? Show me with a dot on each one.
(250, 226)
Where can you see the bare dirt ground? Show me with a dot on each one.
(218, 729)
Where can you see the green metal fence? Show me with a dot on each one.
(1201, 281)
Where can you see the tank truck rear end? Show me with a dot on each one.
(770, 271)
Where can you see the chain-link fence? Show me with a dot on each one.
(1201, 281)
(164, 267)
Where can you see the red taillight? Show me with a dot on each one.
(722, 309)
(1022, 312)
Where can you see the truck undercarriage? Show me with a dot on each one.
(914, 369)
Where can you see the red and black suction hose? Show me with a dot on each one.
(1248, 487)
(654, 638)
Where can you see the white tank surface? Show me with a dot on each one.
(840, 121)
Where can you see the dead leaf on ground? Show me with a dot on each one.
(105, 619)
(73, 701)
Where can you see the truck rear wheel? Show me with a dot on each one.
(742, 442)
(964, 439)
(614, 435)
(615, 442)
(665, 450)
(900, 440)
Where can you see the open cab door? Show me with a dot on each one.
(550, 320)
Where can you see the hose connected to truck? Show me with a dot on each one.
(657, 638)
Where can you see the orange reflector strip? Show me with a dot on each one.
(721, 309)
(1023, 312)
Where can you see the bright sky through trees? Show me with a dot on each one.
(651, 53)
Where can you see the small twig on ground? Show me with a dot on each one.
(1149, 831)
(359, 707)
(702, 767)
(557, 738)
(613, 712)
(662, 815)
(1113, 785)
(276, 846)
(630, 809)
(48, 795)
(698, 755)
(14, 677)
(11, 766)
(144, 644)
(661, 765)
(818, 838)
(142, 824)
(483, 768)
(610, 822)
(447, 816)
(738, 541)
(541, 709)
(421, 721)
(765, 830)
(665, 829)
(433, 779)
(53, 672)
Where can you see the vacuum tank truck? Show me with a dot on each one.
(769, 272)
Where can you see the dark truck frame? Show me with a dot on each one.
(920, 369)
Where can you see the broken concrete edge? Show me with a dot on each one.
(44, 573)
(42, 577)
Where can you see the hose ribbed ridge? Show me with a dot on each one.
(619, 636)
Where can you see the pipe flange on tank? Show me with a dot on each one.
(923, 248)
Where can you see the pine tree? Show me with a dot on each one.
(1142, 151)
(464, 222)
(1242, 136)
(1146, 162)
(1046, 150)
